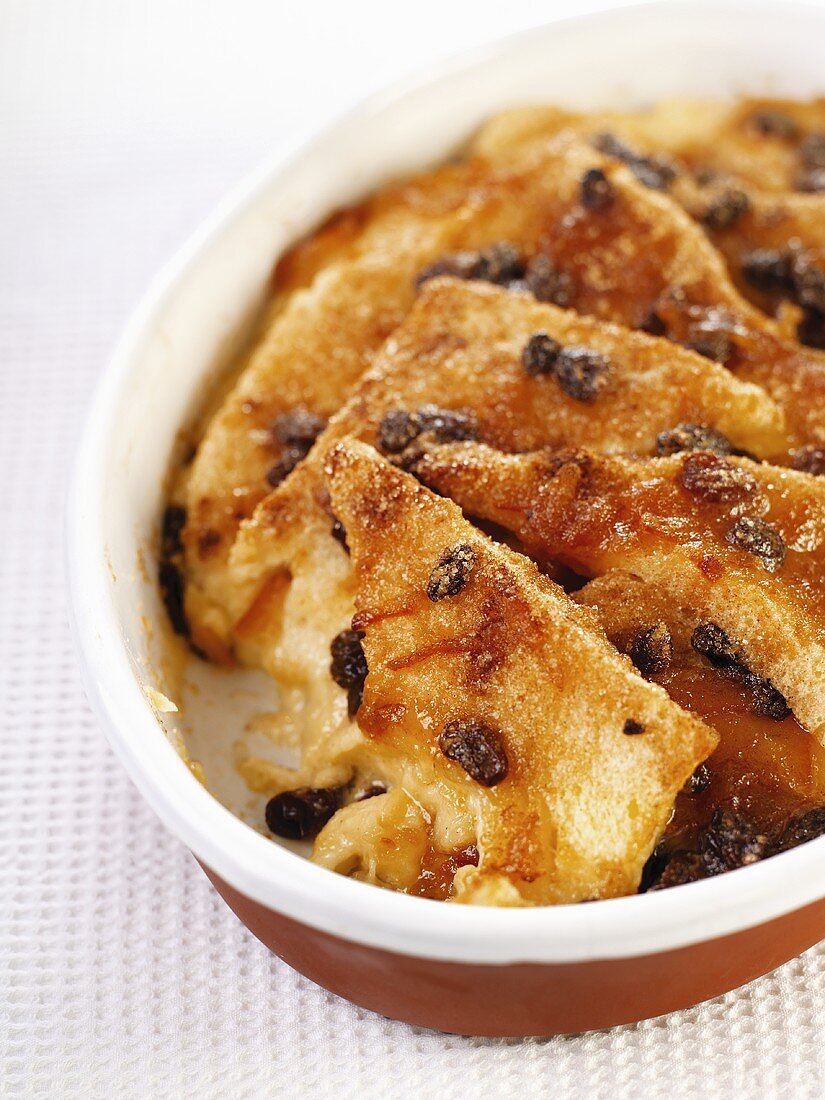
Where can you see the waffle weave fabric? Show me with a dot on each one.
(121, 971)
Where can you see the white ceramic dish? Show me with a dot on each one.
(201, 306)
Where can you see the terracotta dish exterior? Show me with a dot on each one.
(467, 969)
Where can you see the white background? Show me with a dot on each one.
(121, 972)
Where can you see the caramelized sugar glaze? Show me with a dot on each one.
(599, 336)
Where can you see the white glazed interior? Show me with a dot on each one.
(198, 310)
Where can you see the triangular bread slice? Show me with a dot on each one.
(740, 543)
(593, 754)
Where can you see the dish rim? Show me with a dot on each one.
(264, 871)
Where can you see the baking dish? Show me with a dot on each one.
(458, 968)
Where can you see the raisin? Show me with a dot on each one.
(633, 726)
(810, 459)
(715, 479)
(759, 538)
(656, 172)
(698, 782)
(581, 373)
(766, 269)
(451, 572)
(284, 466)
(446, 425)
(499, 263)
(809, 282)
(680, 868)
(397, 429)
(540, 354)
(811, 329)
(652, 650)
(597, 192)
(773, 123)
(792, 273)
(172, 592)
(712, 642)
(812, 151)
(546, 283)
(301, 813)
(653, 868)
(692, 437)
(653, 324)
(803, 826)
(726, 209)
(339, 533)
(766, 699)
(477, 748)
(460, 265)
(349, 666)
(731, 841)
(298, 429)
(717, 346)
(171, 530)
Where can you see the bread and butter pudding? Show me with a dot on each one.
(519, 499)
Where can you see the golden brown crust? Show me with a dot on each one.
(643, 255)
(461, 348)
(705, 135)
(582, 803)
(469, 625)
(696, 525)
(713, 155)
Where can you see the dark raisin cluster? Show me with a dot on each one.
(656, 172)
(400, 428)
(712, 642)
(580, 372)
(652, 650)
(803, 826)
(477, 748)
(349, 666)
(301, 813)
(794, 274)
(503, 265)
(451, 572)
(726, 209)
(810, 173)
(295, 432)
(729, 841)
(169, 575)
(699, 781)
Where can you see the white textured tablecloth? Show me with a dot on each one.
(121, 973)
